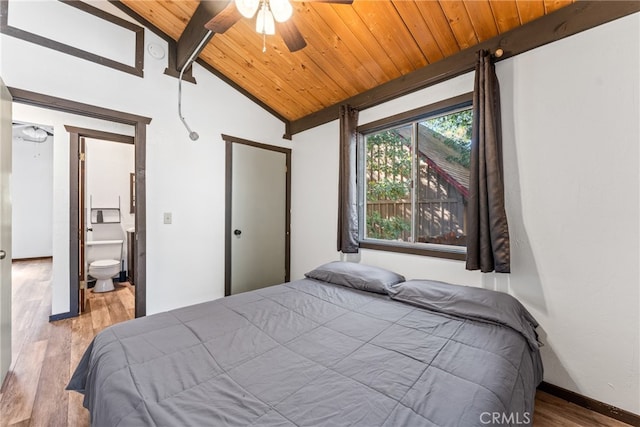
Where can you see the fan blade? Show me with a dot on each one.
(224, 20)
(291, 36)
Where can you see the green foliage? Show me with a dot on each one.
(456, 128)
(386, 228)
(387, 190)
(389, 162)
(388, 165)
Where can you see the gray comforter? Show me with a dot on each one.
(309, 353)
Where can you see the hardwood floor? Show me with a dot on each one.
(552, 411)
(45, 355)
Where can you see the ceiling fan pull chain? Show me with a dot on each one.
(264, 43)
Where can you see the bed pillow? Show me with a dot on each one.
(470, 303)
(357, 276)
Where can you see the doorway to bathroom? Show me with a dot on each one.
(86, 119)
(106, 209)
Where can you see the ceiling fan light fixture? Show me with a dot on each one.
(247, 8)
(34, 134)
(264, 21)
(281, 9)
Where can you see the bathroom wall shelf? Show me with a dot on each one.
(107, 215)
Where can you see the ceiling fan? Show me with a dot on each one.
(30, 132)
(269, 15)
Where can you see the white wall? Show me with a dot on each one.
(32, 198)
(185, 260)
(571, 159)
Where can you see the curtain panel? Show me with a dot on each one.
(488, 247)
(347, 182)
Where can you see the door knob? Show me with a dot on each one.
(3, 254)
(237, 232)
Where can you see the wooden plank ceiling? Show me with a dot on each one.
(350, 48)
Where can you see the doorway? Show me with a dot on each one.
(138, 124)
(32, 191)
(258, 206)
(106, 213)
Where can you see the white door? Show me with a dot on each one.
(258, 218)
(5, 230)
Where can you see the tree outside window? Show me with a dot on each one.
(417, 180)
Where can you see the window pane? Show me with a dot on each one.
(442, 188)
(388, 168)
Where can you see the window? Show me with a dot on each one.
(415, 179)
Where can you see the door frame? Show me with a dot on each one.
(82, 220)
(76, 170)
(140, 125)
(229, 141)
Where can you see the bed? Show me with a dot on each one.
(346, 345)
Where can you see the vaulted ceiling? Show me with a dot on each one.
(351, 48)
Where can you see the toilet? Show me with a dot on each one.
(103, 271)
(104, 262)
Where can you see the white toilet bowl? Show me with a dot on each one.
(103, 270)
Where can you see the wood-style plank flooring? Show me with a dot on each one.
(45, 355)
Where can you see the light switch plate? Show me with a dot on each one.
(167, 217)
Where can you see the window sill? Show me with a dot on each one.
(447, 252)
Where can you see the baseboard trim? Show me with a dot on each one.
(37, 258)
(591, 404)
(62, 316)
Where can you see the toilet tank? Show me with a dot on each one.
(104, 249)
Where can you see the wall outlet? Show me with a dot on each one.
(167, 217)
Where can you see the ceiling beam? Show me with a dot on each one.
(189, 41)
(195, 31)
(187, 77)
(562, 23)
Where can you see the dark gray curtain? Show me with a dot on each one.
(487, 228)
(347, 187)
